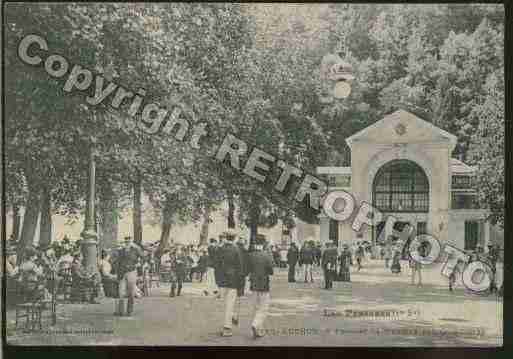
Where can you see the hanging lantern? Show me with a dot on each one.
(336, 78)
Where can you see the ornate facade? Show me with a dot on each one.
(402, 165)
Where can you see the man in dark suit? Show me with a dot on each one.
(329, 262)
(178, 270)
(231, 270)
(127, 275)
(292, 257)
(260, 267)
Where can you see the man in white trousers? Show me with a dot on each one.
(231, 269)
(211, 285)
(260, 267)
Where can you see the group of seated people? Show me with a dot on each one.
(41, 274)
(25, 281)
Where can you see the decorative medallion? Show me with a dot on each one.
(400, 129)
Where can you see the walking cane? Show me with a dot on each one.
(238, 309)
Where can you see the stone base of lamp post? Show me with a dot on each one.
(89, 244)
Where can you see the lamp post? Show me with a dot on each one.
(336, 78)
(89, 241)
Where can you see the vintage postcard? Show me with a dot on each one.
(223, 174)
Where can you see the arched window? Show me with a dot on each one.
(401, 186)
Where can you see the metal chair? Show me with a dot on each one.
(33, 305)
(52, 286)
(65, 284)
(154, 276)
(145, 285)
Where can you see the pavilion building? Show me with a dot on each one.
(402, 165)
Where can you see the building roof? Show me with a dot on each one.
(458, 167)
(334, 170)
(403, 118)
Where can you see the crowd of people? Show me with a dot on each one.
(58, 270)
(334, 265)
(124, 273)
(222, 267)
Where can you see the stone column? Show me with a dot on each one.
(89, 241)
(486, 231)
(324, 231)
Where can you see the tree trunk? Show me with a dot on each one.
(109, 207)
(45, 227)
(204, 228)
(164, 235)
(167, 221)
(137, 214)
(16, 221)
(32, 209)
(231, 211)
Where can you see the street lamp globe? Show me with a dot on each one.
(342, 90)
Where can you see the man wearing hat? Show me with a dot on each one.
(178, 270)
(306, 258)
(292, 257)
(260, 267)
(231, 268)
(329, 263)
(127, 259)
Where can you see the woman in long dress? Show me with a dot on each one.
(396, 262)
(345, 261)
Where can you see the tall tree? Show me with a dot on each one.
(45, 225)
(487, 147)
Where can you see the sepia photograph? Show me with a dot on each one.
(253, 174)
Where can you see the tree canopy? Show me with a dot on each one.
(247, 69)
